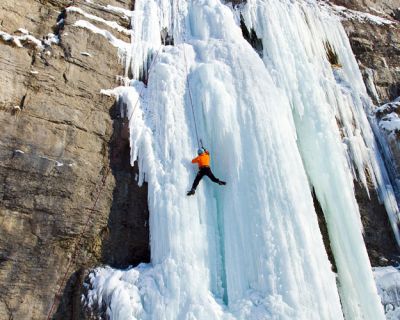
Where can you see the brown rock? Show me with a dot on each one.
(376, 47)
(58, 161)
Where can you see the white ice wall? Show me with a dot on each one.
(323, 98)
(252, 249)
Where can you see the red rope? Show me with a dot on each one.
(103, 181)
(72, 259)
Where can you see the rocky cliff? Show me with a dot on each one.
(68, 195)
(374, 31)
(376, 44)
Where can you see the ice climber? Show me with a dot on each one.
(203, 161)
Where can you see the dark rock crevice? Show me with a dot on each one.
(252, 38)
(167, 38)
(396, 14)
(70, 301)
(126, 240)
(237, 2)
(324, 230)
(378, 235)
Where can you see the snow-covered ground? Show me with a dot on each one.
(277, 128)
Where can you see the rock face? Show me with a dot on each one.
(377, 49)
(68, 196)
(377, 46)
(382, 7)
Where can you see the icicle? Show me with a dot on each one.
(252, 249)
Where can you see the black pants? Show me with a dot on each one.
(205, 171)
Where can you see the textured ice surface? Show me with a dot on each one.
(388, 282)
(276, 128)
(324, 98)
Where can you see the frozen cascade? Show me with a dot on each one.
(252, 249)
(321, 101)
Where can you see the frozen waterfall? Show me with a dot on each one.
(279, 122)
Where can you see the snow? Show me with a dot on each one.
(51, 39)
(23, 31)
(126, 13)
(5, 36)
(17, 40)
(26, 37)
(388, 107)
(87, 54)
(276, 128)
(388, 118)
(360, 16)
(56, 162)
(111, 24)
(388, 282)
(390, 122)
(123, 47)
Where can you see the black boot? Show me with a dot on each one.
(221, 183)
(191, 192)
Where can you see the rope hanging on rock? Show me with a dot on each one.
(98, 191)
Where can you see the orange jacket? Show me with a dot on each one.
(202, 160)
